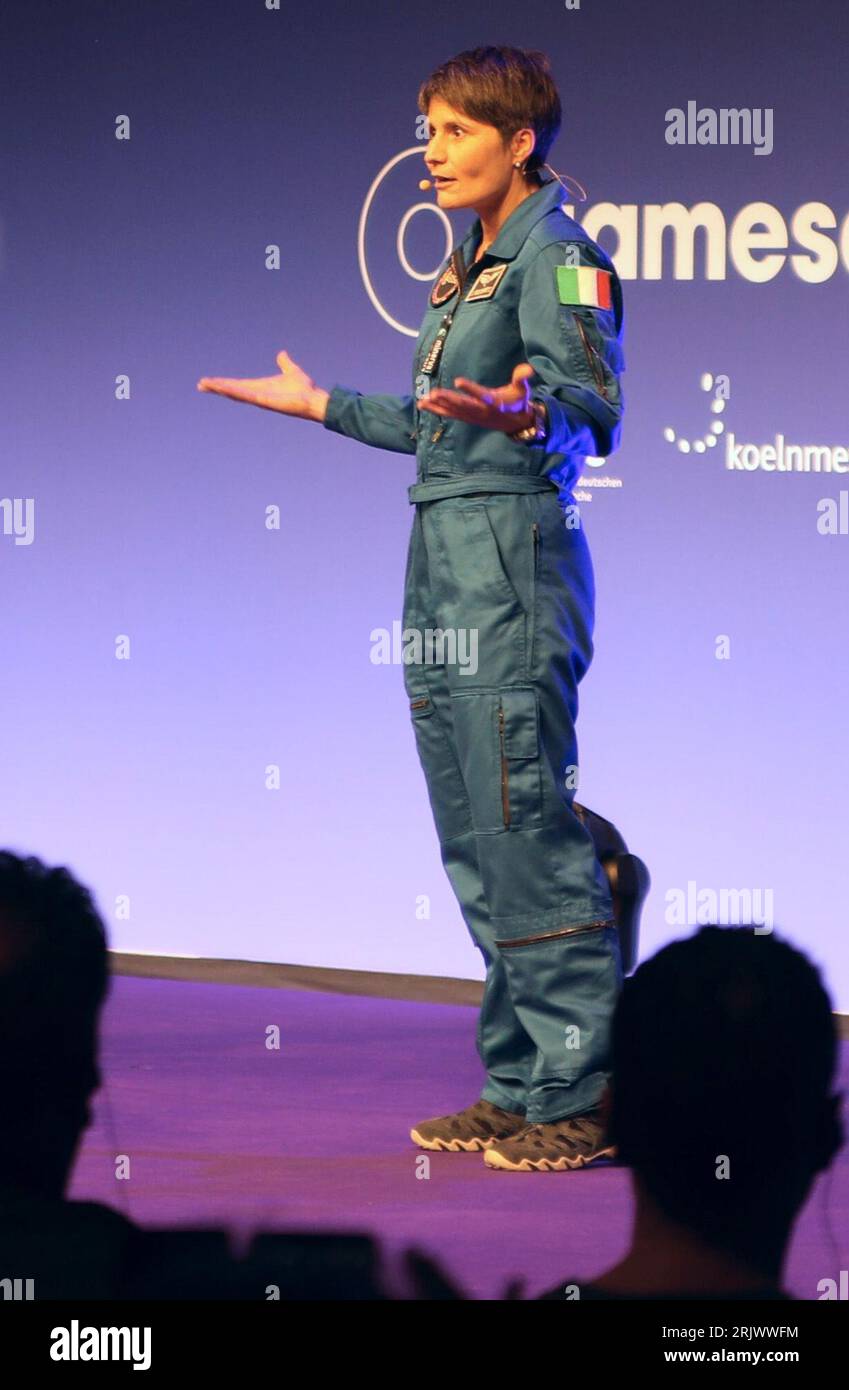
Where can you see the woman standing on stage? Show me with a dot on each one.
(516, 381)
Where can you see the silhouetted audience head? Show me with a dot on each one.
(53, 981)
(724, 1050)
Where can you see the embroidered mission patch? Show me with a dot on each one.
(487, 282)
(583, 284)
(446, 285)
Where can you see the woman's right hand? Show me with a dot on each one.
(292, 392)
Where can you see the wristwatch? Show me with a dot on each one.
(537, 431)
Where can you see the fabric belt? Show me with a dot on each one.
(479, 482)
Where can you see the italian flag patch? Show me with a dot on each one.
(583, 284)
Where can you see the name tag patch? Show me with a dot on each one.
(487, 283)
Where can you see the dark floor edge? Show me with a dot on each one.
(428, 989)
(425, 989)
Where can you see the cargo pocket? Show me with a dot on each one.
(518, 743)
(497, 743)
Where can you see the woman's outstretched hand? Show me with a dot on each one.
(292, 392)
(505, 408)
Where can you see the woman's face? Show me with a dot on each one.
(477, 168)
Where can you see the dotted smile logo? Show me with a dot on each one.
(721, 388)
(778, 457)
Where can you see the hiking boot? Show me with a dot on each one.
(572, 1142)
(476, 1127)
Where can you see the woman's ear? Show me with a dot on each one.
(523, 149)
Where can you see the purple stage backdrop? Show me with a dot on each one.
(193, 590)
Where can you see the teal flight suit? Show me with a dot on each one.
(497, 550)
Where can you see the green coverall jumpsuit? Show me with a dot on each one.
(497, 547)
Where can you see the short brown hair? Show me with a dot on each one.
(508, 88)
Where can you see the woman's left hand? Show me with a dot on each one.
(505, 408)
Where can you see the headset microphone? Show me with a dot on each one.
(582, 192)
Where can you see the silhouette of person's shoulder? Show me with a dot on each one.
(79, 1250)
(593, 1294)
(69, 1249)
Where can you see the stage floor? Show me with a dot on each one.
(223, 1131)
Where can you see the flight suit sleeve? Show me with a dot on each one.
(576, 353)
(385, 422)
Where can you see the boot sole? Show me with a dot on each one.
(452, 1146)
(495, 1159)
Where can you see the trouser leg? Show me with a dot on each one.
(507, 569)
(506, 1050)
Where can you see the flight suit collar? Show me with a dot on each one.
(515, 230)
